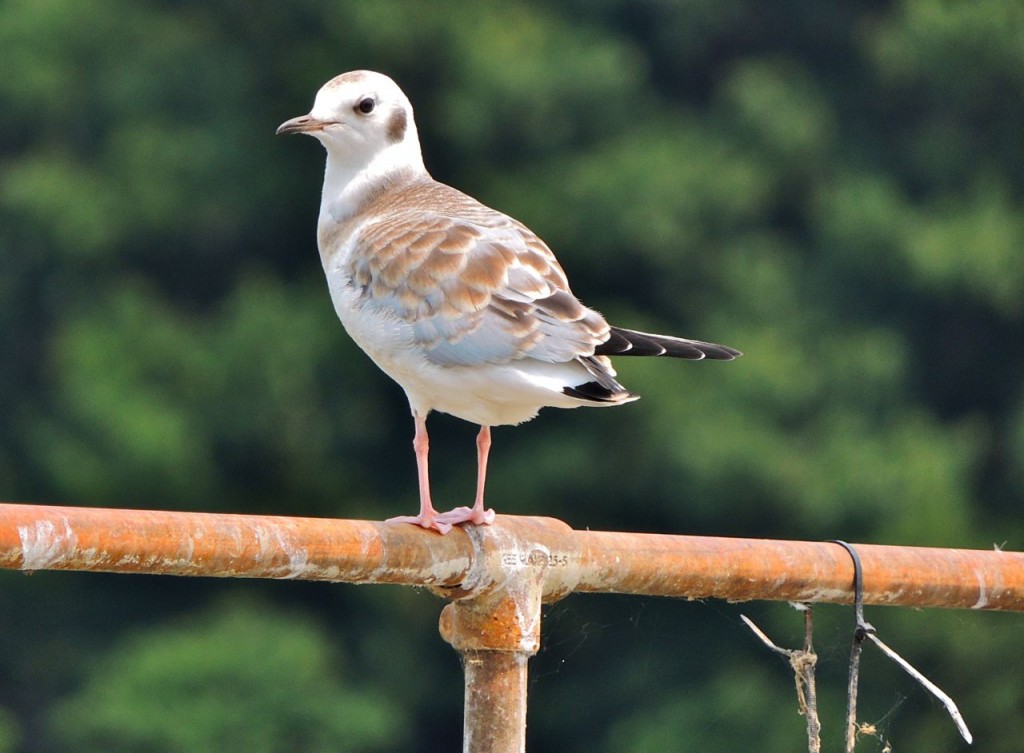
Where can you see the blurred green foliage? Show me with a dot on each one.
(835, 188)
(245, 677)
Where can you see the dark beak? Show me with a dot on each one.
(301, 124)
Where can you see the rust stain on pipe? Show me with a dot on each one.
(493, 622)
(40, 537)
(745, 569)
(496, 577)
(495, 702)
(469, 562)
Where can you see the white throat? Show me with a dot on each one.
(348, 181)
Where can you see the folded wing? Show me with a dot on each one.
(474, 285)
(478, 287)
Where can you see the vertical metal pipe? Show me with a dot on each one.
(495, 710)
(496, 631)
(495, 635)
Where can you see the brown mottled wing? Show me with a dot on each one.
(474, 285)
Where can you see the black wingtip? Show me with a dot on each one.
(598, 393)
(627, 342)
(716, 352)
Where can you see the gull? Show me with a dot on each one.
(463, 306)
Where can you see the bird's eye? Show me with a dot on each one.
(366, 105)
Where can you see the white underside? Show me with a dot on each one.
(486, 394)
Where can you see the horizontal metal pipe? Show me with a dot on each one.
(43, 537)
(36, 537)
(698, 567)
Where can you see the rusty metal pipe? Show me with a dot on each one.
(496, 629)
(698, 567)
(496, 577)
(43, 537)
(37, 537)
(495, 702)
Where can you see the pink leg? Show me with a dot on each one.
(477, 514)
(428, 517)
(483, 448)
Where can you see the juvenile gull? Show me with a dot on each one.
(462, 305)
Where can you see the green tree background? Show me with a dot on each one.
(835, 188)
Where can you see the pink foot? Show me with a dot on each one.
(476, 515)
(430, 522)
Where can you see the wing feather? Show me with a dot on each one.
(474, 285)
(627, 342)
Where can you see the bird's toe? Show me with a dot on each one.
(467, 515)
(430, 522)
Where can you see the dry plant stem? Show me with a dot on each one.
(803, 662)
(851, 695)
(954, 712)
(805, 671)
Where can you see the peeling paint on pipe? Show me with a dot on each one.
(467, 562)
(41, 537)
(697, 567)
(496, 577)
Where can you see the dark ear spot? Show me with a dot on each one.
(396, 126)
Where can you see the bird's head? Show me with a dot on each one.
(360, 116)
